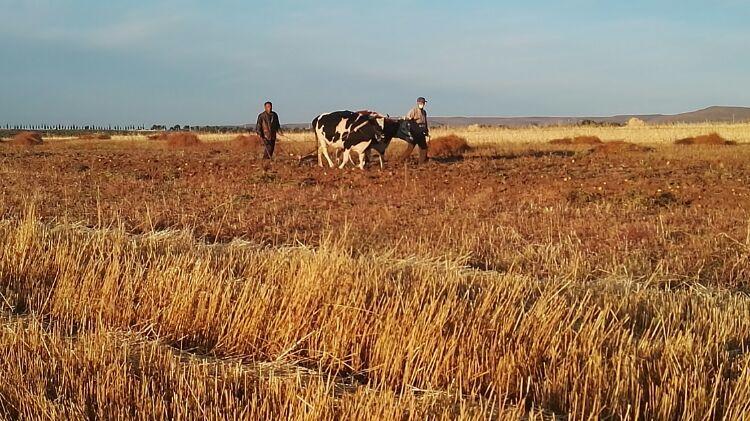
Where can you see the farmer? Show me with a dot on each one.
(267, 127)
(418, 118)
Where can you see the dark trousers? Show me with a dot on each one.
(268, 147)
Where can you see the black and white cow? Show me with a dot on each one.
(361, 132)
(348, 131)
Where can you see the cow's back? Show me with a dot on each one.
(335, 126)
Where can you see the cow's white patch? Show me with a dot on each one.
(359, 148)
(341, 128)
(324, 143)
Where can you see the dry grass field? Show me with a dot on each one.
(523, 280)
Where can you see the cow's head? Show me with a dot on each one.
(378, 121)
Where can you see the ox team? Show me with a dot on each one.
(360, 132)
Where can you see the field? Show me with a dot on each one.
(523, 280)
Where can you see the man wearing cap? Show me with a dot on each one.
(418, 116)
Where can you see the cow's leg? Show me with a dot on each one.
(345, 160)
(362, 150)
(407, 153)
(337, 155)
(361, 156)
(422, 155)
(324, 149)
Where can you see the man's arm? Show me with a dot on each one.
(259, 127)
(276, 124)
(412, 115)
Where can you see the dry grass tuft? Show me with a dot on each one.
(448, 146)
(26, 139)
(636, 122)
(708, 140)
(578, 140)
(181, 140)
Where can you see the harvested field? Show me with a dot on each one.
(712, 139)
(448, 146)
(577, 140)
(26, 139)
(524, 281)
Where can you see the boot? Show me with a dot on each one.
(407, 154)
(422, 155)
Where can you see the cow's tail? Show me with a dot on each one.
(315, 128)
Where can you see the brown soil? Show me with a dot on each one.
(578, 140)
(220, 195)
(249, 142)
(447, 147)
(27, 139)
(181, 140)
(707, 139)
(618, 146)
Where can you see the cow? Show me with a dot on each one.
(348, 131)
(362, 132)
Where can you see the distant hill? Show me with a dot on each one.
(712, 114)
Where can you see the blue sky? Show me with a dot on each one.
(123, 62)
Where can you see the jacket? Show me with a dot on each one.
(267, 125)
(420, 117)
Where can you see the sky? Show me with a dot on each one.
(190, 62)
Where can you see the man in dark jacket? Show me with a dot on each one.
(267, 127)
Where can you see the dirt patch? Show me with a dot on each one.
(26, 139)
(95, 136)
(706, 139)
(578, 140)
(181, 140)
(618, 146)
(247, 142)
(450, 146)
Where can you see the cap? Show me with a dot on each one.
(421, 99)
